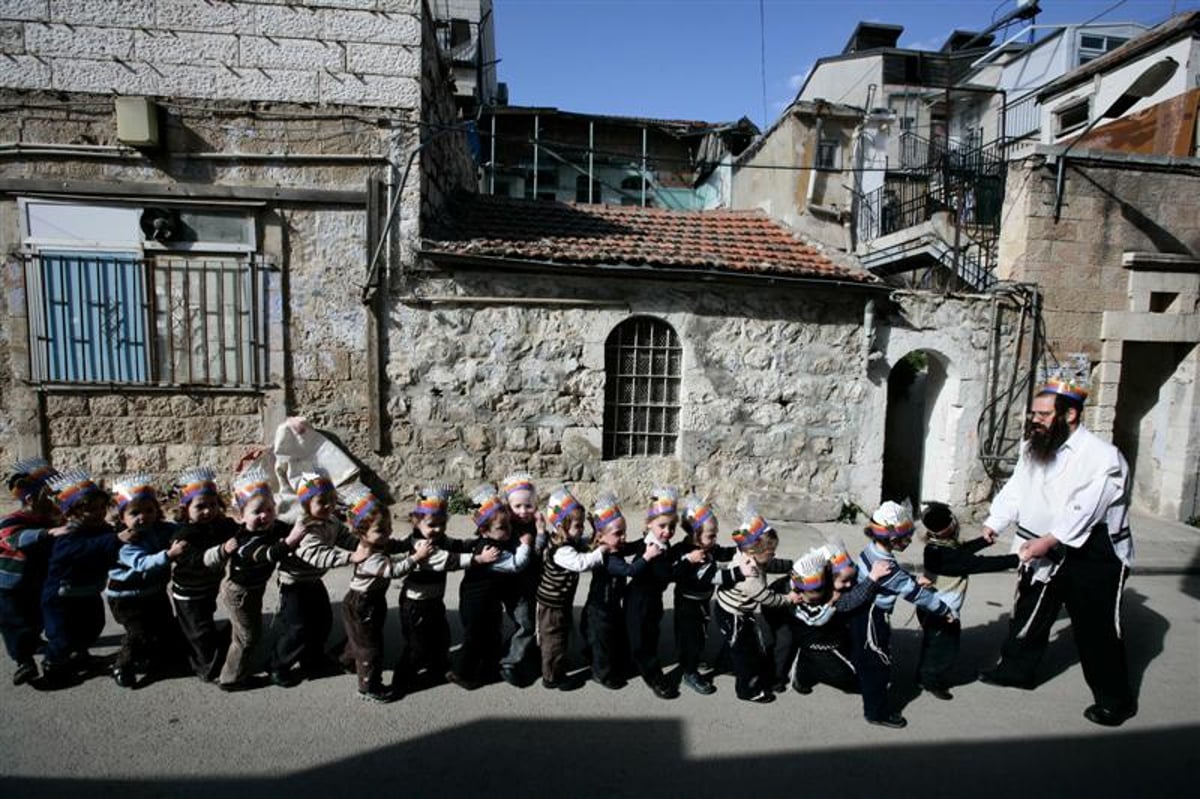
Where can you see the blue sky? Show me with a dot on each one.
(703, 59)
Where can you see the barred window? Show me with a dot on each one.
(119, 318)
(642, 368)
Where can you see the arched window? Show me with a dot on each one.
(642, 368)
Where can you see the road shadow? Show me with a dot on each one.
(630, 757)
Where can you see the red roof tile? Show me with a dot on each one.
(723, 241)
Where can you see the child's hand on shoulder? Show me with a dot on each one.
(526, 540)
(794, 597)
(230, 546)
(696, 556)
(127, 536)
(299, 530)
(879, 570)
(748, 568)
(924, 582)
(58, 532)
(421, 550)
(176, 549)
(539, 522)
(490, 554)
(361, 553)
(652, 552)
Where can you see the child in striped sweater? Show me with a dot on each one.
(756, 543)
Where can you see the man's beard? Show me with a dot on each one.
(1044, 442)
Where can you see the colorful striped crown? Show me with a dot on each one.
(195, 481)
(605, 511)
(517, 481)
(808, 573)
(360, 503)
(1066, 381)
(313, 484)
(433, 500)
(697, 511)
(562, 503)
(749, 536)
(133, 487)
(664, 501)
(891, 520)
(28, 478)
(254, 482)
(71, 487)
(488, 504)
(839, 558)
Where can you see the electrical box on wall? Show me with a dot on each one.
(137, 121)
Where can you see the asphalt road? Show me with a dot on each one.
(184, 738)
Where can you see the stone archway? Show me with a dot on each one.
(919, 450)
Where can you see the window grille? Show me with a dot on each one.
(116, 318)
(827, 153)
(642, 368)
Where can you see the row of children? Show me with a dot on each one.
(830, 615)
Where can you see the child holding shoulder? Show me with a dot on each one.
(137, 585)
(262, 542)
(520, 602)
(694, 588)
(24, 547)
(423, 622)
(211, 538)
(756, 541)
(566, 558)
(483, 589)
(76, 571)
(890, 530)
(364, 608)
(947, 563)
(305, 617)
(604, 611)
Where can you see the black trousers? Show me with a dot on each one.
(364, 615)
(607, 641)
(151, 635)
(72, 626)
(871, 645)
(303, 623)
(939, 648)
(691, 631)
(482, 614)
(779, 638)
(831, 666)
(426, 639)
(206, 640)
(751, 666)
(643, 618)
(1089, 583)
(21, 621)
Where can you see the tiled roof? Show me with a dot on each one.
(745, 242)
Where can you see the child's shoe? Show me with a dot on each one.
(762, 698)
(699, 684)
(285, 679)
(377, 696)
(801, 688)
(27, 671)
(892, 720)
(936, 690)
(664, 690)
(125, 678)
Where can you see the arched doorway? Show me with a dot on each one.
(917, 455)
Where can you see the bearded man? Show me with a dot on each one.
(1069, 500)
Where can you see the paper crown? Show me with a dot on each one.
(697, 511)
(488, 502)
(133, 487)
(360, 503)
(891, 520)
(1069, 380)
(28, 477)
(838, 557)
(517, 481)
(195, 481)
(71, 487)
(313, 484)
(750, 534)
(664, 501)
(605, 511)
(433, 500)
(808, 572)
(254, 482)
(562, 503)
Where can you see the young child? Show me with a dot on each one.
(756, 542)
(566, 559)
(426, 648)
(211, 537)
(947, 564)
(364, 608)
(24, 546)
(305, 617)
(483, 588)
(137, 585)
(603, 625)
(520, 602)
(262, 542)
(644, 602)
(79, 561)
(889, 530)
(694, 588)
